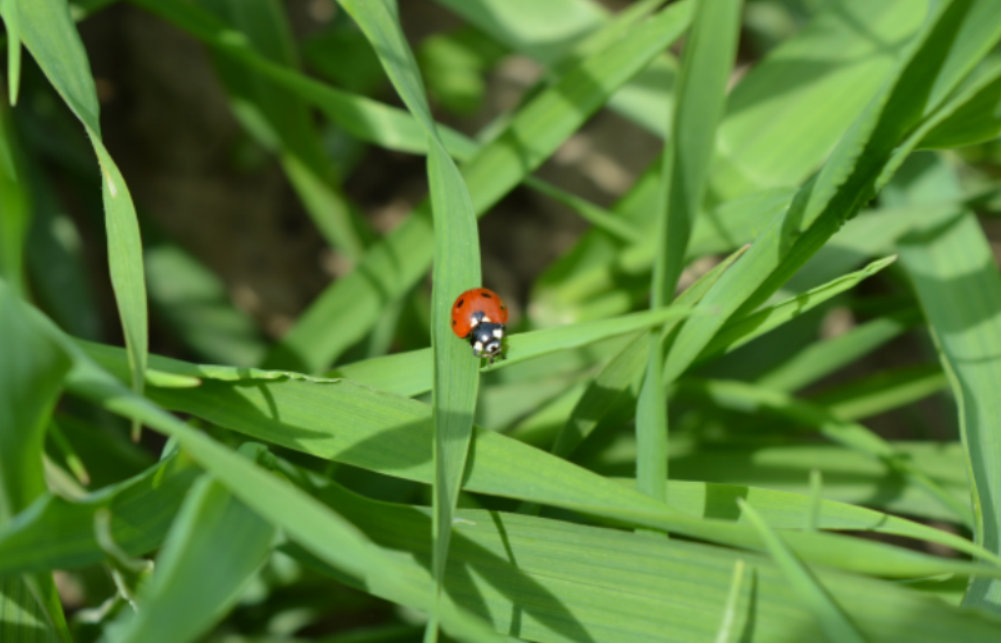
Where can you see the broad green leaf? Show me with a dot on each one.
(392, 435)
(394, 265)
(214, 546)
(550, 580)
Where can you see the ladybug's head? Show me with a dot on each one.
(486, 339)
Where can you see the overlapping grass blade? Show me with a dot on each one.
(742, 330)
(50, 36)
(863, 161)
(534, 132)
(392, 435)
(54, 533)
(851, 434)
(822, 358)
(552, 580)
(308, 522)
(214, 546)
(31, 374)
(974, 114)
(706, 65)
(832, 619)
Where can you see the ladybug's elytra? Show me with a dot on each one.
(479, 315)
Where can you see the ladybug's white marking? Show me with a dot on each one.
(485, 319)
(498, 332)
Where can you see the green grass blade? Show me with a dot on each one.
(740, 331)
(31, 375)
(49, 34)
(822, 358)
(318, 529)
(455, 269)
(392, 435)
(952, 268)
(214, 546)
(832, 619)
(748, 397)
(15, 206)
(55, 533)
(706, 66)
(410, 373)
(867, 155)
(11, 22)
(391, 267)
(550, 580)
(974, 115)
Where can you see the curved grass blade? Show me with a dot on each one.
(55, 533)
(49, 34)
(317, 528)
(214, 546)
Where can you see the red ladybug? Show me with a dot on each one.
(479, 315)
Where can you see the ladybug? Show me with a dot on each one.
(479, 315)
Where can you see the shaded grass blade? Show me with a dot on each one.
(31, 373)
(214, 546)
(952, 268)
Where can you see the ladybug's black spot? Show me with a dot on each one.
(453, 322)
(459, 303)
(485, 294)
